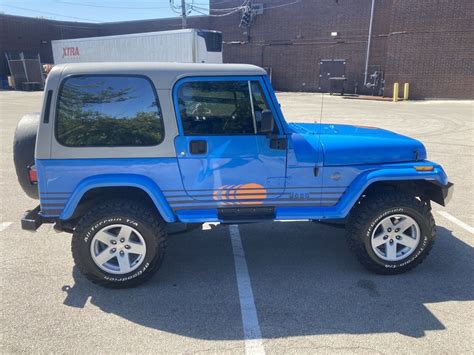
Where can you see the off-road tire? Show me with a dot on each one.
(127, 212)
(367, 214)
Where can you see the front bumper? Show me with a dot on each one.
(447, 191)
(439, 193)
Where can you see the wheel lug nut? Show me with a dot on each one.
(122, 253)
(122, 240)
(389, 230)
(385, 237)
(113, 250)
(397, 230)
(391, 241)
(398, 237)
(113, 242)
(127, 246)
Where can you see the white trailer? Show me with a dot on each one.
(185, 46)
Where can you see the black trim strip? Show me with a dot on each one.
(49, 205)
(47, 108)
(240, 194)
(243, 201)
(255, 194)
(266, 188)
(55, 193)
(51, 212)
(255, 205)
(54, 199)
(218, 207)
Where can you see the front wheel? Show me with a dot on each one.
(119, 243)
(392, 233)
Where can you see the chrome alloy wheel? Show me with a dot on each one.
(118, 249)
(395, 237)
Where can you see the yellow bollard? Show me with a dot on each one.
(395, 92)
(406, 91)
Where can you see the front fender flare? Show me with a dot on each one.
(119, 180)
(364, 180)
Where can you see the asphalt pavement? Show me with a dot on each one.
(309, 293)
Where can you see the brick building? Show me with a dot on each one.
(427, 43)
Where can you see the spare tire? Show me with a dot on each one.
(24, 145)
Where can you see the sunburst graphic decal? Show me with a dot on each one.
(244, 194)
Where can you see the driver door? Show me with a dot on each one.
(224, 158)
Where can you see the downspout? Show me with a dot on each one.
(369, 39)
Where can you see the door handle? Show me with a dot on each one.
(280, 143)
(198, 147)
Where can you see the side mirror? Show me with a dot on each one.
(268, 123)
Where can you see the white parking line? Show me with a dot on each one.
(456, 221)
(209, 225)
(4, 225)
(252, 333)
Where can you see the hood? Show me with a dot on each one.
(359, 145)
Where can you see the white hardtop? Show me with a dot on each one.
(164, 75)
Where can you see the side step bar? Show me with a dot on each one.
(245, 214)
(32, 220)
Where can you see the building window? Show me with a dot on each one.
(108, 111)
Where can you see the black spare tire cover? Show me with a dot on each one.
(24, 144)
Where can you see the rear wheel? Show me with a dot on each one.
(391, 233)
(119, 243)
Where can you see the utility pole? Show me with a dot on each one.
(183, 14)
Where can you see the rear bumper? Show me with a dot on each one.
(32, 219)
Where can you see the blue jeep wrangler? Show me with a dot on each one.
(122, 150)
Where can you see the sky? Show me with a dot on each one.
(96, 10)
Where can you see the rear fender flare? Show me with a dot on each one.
(123, 180)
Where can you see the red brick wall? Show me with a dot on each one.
(293, 39)
(431, 46)
(427, 43)
(25, 34)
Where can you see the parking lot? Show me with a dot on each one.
(310, 294)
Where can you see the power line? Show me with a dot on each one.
(220, 15)
(227, 11)
(241, 6)
(185, 9)
(282, 5)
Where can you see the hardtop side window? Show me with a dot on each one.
(108, 111)
(216, 108)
